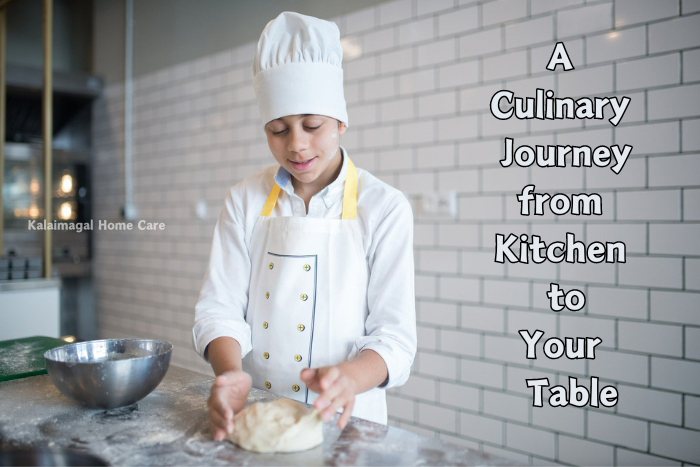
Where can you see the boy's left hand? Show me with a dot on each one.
(336, 389)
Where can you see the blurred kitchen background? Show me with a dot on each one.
(419, 75)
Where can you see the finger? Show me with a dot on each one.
(221, 423)
(217, 433)
(329, 411)
(347, 413)
(329, 378)
(218, 405)
(220, 420)
(328, 395)
(307, 374)
(336, 403)
(217, 402)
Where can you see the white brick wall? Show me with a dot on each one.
(418, 103)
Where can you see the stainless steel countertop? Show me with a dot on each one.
(170, 427)
(24, 284)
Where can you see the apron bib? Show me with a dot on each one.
(308, 299)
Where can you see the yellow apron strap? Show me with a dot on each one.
(349, 195)
(350, 192)
(271, 201)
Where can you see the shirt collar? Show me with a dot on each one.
(330, 194)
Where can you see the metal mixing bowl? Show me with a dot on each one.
(108, 373)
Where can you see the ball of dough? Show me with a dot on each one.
(283, 425)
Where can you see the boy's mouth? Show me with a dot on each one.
(303, 165)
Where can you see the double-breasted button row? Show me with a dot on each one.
(307, 267)
(300, 327)
(303, 296)
(297, 357)
(295, 387)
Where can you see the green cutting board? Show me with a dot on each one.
(20, 358)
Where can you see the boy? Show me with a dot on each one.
(309, 291)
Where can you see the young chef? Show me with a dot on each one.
(309, 292)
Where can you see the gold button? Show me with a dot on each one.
(266, 355)
(295, 387)
(268, 385)
(304, 296)
(271, 265)
(267, 294)
(265, 324)
(301, 327)
(297, 357)
(307, 267)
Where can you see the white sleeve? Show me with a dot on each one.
(391, 324)
(223, 299)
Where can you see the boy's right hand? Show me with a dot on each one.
(228, 396)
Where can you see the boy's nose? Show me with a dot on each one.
(298, 140)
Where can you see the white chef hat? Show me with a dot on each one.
(297, 68)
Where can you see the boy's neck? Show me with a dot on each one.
(307, 190)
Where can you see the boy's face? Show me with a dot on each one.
(305, 145)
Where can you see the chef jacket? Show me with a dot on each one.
(386, 222)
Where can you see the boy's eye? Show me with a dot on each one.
(306, 127)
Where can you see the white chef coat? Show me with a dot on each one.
(386, 223)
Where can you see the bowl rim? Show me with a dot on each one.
(168, 349)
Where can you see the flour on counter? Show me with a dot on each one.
(22, 357)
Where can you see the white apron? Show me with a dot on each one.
(308, 299)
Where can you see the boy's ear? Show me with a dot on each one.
(341, 127)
